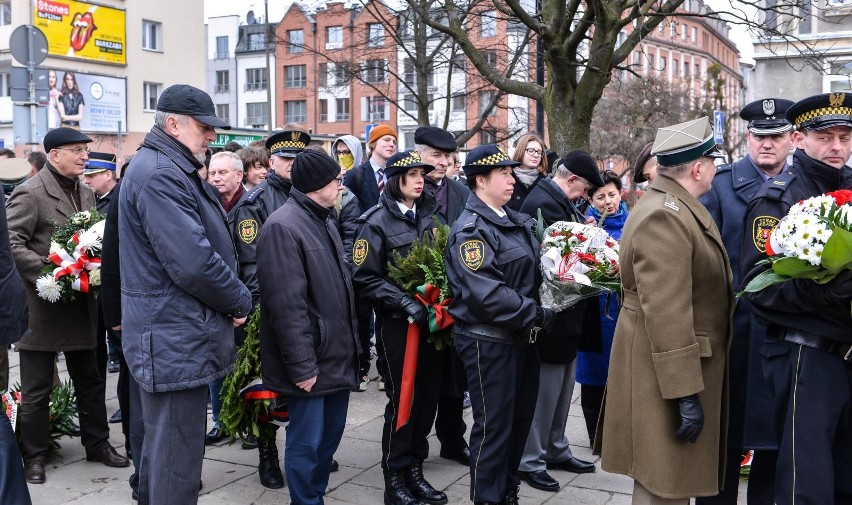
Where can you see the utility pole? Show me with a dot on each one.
(267, 39)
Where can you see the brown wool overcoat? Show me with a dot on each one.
(671, 341)
(31, 210)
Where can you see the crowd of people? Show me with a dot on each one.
(677, 376)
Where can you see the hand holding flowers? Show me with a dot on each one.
(74, 255)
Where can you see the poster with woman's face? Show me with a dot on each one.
(90, 102)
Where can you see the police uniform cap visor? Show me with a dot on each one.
(685, 142)
(483, 159)
(435, 138)
(59, 137)
(822, 111)
(190, 101)
(14, 169)
(401, 162)
(98, 162)
(288, 144)
(767, 116)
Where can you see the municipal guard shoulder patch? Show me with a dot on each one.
(472, 254)
(248, 230)
(761, 229)
(359, 252)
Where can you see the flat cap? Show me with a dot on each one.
(581, 164)
(485, 158)
(401, 162)
(639, 164)
(98, 162)
(288, 144)
(685, 142)
(435, 138)
(59, 137)
(190, 101)
(767, 116)
(823, 111)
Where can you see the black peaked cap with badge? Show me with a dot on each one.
(483, 159)
(823, 111)
(401, 162)
(435, 138)
(59, 137)
(190, 101)
(767, 116)
(581, 164)
(98, 162)
(288, 144)
(685, 142)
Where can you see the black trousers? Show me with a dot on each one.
(36, 385)
(449, 423)
(591, 399)
(365, 318)
(400, 448)
(503, 383)
(761, 480)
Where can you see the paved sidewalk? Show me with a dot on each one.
(230, 473)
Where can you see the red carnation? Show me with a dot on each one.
(841, 196)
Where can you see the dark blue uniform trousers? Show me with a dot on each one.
(815, 459)
(503, 384)
(13, 486)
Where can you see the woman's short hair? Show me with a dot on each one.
(608, 177)
(393, 187)
(521, 149)
(252, 155)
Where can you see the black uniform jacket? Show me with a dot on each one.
(799, 304)
(493, 269)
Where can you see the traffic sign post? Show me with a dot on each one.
(719, 126)
(28, 46)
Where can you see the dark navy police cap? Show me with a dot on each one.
(483, 159)
(98, 162)
(401, 162)
(823, 111)
(767, 116)
(288, 144)
(435, 138)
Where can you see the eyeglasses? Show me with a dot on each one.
(343, 153)
(533, 152)
(339, 181)
(77, 150)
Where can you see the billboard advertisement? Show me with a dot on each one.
(89, 102)
(82, 30)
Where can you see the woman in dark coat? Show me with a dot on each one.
(532, 168)
(403, 215)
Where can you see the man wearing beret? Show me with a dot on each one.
(769, 139)
(33, 209)
(665, 408)
(181, 294)
(810, 323)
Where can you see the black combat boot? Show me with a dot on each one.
(511, 496)
(395, 491)
(268, 468)
(421, 489)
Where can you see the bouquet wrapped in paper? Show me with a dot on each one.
(75, 258)
(578, 261)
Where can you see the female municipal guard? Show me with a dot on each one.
(403, 215)
(493, 271)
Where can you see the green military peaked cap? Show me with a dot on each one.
(685, 142)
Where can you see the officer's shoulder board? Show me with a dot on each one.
(724, 168)
(467, 221)
(672, 203)
(372, 210)
(255, 193)
(774, 189)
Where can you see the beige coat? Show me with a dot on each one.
(31, 210)
(671, 341)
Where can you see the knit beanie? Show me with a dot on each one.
(313, 170)
(380, 131)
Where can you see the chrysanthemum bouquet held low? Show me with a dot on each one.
(75, 258)
(577, 261)
(813, 241)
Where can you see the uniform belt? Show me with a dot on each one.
(823, 344)
(487, 330)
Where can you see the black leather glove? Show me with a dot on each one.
(691, 419)
(414, 310)
(841, 285)
(544, 318)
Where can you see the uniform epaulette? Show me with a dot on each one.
(776, 187)
(255, 192)
(469, 223)
(672, 203)
(724, 168)
(369, 212)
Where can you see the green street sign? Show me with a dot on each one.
(243, 140)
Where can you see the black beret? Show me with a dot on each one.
(639, 164)
(767, 116)
(59, 137)
(435, 138)
(581, 164)
(400, 163)
(823, 111)
(483, 159)
(190, 101)
(288, 143)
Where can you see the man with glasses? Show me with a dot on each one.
(33, 210)
(348, 152)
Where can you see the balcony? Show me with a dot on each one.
(256, 121)
(222, 88)
(343, 116)
(295, 83)
(255, 86)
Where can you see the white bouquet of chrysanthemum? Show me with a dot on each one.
(75, 258)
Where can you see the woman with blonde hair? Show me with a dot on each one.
(529, 152)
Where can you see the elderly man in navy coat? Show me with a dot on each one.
(751, 427)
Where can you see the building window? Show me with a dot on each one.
(295, 111)
(377, 108)
(663, 62)
(486, 137)
(343, 109)
(256, 79)
(805, 12)
(5, 84)
(256, 41)
(257, 114)
(459, 62)
(696, 71)
(375, 35)
(223, 81)
(5, 13)
(150, 92)
(223, 112)
(488, 24)
(694, 35)
(485, 99)
(323, 74)
(638, 59)
(222, 47)
(490, 58)
(409, 104)
(685, 70)
(323, 107)
(374, 71)
(334, 37)
(295, 76)
(675, 67)
(458, 103)
(151, 34)
(673, 29)
(295, 41)
(622, 36)
(684, 31)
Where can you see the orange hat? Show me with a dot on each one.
(380, 131)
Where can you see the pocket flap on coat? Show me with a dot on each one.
(704, 349)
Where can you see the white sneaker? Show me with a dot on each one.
(362, 386)
(381, 385)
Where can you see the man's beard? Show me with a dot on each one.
(200, 157)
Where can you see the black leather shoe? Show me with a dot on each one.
(512, 497)
(249, 442)
(112, 366)
(420, 488)
(540, 480)
(462, 456)
(335, 466)
(572, 465)
(395, 491)
(107, 455)
(213, 436)
(116, 417)
(34, 471)
(268, 468)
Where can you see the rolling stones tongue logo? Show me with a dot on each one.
(83, 26)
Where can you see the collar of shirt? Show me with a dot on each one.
(498, 210)
(403, 208)
(375, 166)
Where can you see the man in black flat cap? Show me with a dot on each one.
(750, 426)
(809, 323)
(181, 296)
(34, 208)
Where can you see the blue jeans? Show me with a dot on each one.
(216, 399)
(315, 429)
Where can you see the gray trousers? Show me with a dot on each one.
(547, 442)
(173, 449)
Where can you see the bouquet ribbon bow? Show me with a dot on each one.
(77, 264)
(439, 319)
(256, 391)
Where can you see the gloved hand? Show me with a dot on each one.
(841, 285)
(414, 310)
(544, 318)
(691, 419)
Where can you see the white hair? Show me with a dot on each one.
(160, 118)
(236, 162)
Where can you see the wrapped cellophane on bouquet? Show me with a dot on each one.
(74, 258)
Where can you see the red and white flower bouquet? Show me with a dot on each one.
(75, 258)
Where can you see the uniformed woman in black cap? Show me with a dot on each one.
(493, 270)
(403, 215)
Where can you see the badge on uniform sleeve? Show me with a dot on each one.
(761, 229)
(472, 253)
(248, 230)
(359, 252)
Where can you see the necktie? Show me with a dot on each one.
(381, 173)
(410, 215)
